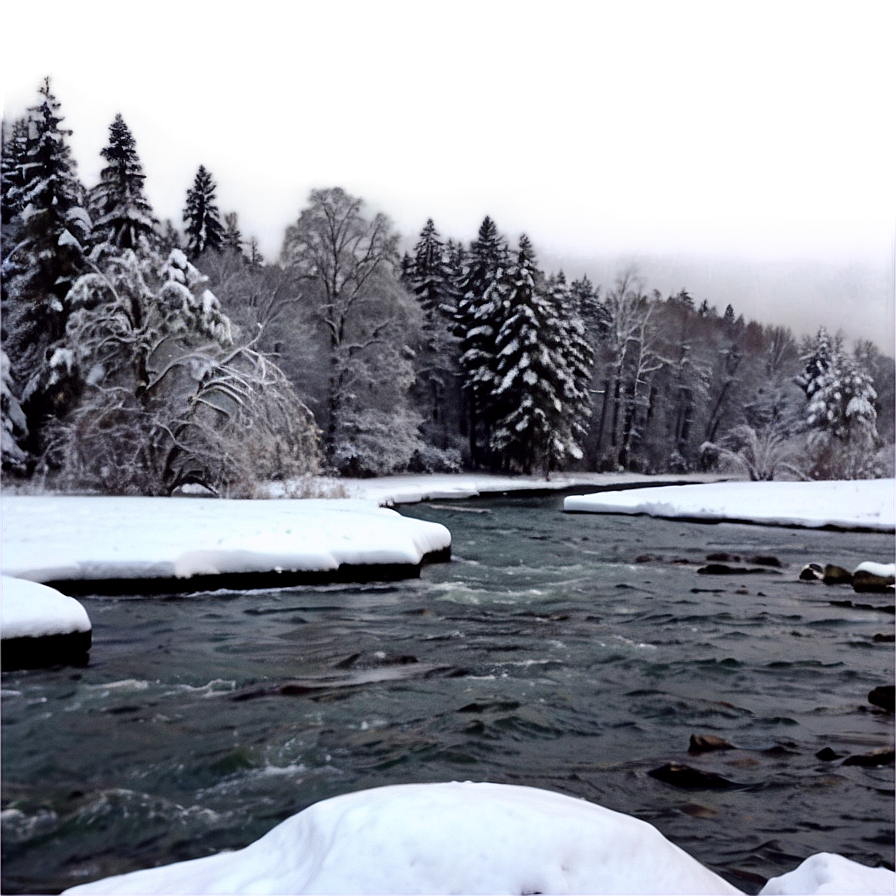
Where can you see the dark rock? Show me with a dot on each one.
(723, 557)
(68, 649)
(765, 560)
(882, 696)
(690, 778)
(836, 575)
(868, 581)
(884, 639)
(705, 743)
(811, 572)
(722, 569)
(884, 756)
(827, 755)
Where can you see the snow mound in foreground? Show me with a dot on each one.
(858, 504)
(441, 838)
(827, 873)
(31, 610)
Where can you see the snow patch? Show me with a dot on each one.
(31, 610)
(863, 504)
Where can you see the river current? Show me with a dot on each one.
(577, 653)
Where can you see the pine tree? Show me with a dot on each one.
(840, 411)
(480, 313)
(14, 172)
(122, 214)
(203, 223)
(232, 240)
(49, 254)
(430, 279)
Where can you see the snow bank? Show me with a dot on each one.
(865, 504)
(30, 610)
(827, 873)
(414, 487)
(441, 838)
(54, 538)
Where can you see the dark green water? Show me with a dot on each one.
(550, 653)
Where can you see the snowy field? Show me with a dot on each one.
(860, 504)
(469, 838)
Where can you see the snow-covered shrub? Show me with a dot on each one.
(376, 443)
(430, 459)
(762, 455)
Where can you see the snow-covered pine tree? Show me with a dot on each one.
(14, 174)
(122, 215)
(480, 312)
(53, 229)
(429, 278)
(203, 222)
(840, 411)
(588, 306)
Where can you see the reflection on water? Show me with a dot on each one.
(576, 653)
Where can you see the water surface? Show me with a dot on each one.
(572, 652)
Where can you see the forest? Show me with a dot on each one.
(143, 357)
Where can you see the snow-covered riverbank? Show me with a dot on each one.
(859, 504)
(67, 538)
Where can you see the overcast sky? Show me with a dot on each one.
(744, 151)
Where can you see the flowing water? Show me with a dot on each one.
(576, 653)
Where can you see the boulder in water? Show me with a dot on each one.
(882, 696)
(705, 743)
(836, 575)
(690, 778)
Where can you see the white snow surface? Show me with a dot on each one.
(864, 503)
(47, 538)
(441, 838)
(884, 570)
(828, 873)
(411, 487)
(31, 610)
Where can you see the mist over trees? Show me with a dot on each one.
(139, 358)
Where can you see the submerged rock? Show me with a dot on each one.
(882, 696)
(883, 756)
(705, 743)
(690, 778)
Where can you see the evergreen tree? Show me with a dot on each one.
(543, 369)
(430, 279)
(232, 240)
(480, 312)
(840, 411)
(203, 223)
(47, 257)
(255, 258)
(14, 172)
(122, 214)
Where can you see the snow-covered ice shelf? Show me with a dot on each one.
(468, 838)
(859, 504)
(101, 539)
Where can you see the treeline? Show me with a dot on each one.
(139, 357)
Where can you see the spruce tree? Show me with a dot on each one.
(232, 239)
(122, 214)
(480, 313)
(47, 257)
(203, 222)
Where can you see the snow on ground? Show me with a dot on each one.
(413, 487)
(866, 503)
(31, 610)
(467, 838)
(441, 838)
(828, 873)
(47, 538)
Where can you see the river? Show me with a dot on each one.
(577, 653)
